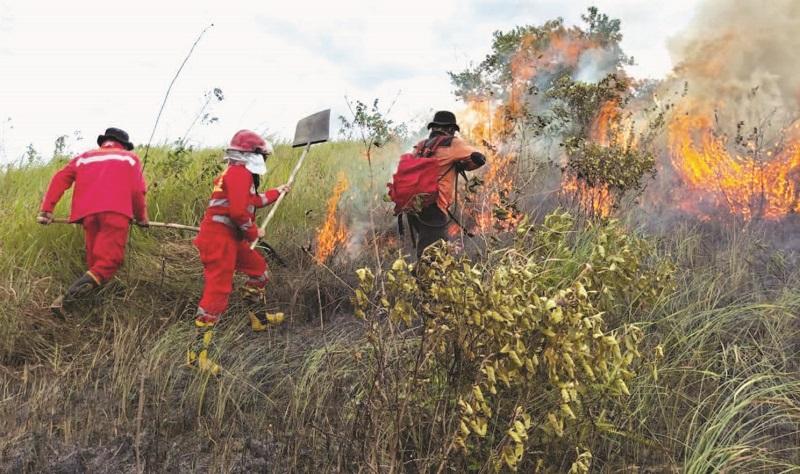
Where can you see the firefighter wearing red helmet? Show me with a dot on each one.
(226, 232)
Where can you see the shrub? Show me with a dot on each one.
(512, 359)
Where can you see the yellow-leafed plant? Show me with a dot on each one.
(522, 346)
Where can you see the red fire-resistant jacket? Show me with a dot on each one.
(108, 179)
(234, 201)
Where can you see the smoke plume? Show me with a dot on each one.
(742, 58)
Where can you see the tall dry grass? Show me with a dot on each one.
(106, 390)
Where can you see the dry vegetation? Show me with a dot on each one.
(715, 387)
(553, 342)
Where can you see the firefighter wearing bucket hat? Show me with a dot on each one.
(226, 232)
(109, 191)
(431, 171)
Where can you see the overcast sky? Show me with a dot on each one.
(80, 66)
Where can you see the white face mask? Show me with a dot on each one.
(254, 162)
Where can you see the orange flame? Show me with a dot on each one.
(761, 184)
(497, 183)
(606, 125)
(595, 200)
(333, 232)
(483, 125)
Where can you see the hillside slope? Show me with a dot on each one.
(106, 390)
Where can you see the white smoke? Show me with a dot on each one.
(741, 57)
(595, 64)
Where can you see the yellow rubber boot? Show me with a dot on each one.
(262, 321)
(254, 295)
(257, 324)
(198, 356)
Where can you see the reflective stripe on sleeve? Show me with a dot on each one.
(218, 202)
(223, 220)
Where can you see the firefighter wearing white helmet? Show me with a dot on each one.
(226, 232)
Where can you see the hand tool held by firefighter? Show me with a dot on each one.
(310, 130)
(167, 225)
(271, 252)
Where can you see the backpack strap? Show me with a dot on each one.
(426, 148)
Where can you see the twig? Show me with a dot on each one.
(169, 89)
(330, 271)
(319, 301)
(139, 415)
(185, 137)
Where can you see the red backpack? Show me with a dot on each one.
(415, 184)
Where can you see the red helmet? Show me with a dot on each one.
(249, 141)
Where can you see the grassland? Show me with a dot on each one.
(107, 391)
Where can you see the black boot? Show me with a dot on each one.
(79, 289)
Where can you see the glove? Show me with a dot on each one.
(44, 218)
(144, 223)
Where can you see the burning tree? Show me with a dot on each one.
(607, 157)
(552, 83)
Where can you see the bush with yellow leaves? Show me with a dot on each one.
(513, 359)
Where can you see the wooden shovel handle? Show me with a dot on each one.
(274, 208)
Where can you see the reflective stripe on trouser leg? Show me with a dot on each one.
(259, 281)
(204, 318)
(252, 263)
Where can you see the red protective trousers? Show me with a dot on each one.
(106, 235)
(222, 254)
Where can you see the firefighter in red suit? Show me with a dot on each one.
(109, 191)
(226, 232)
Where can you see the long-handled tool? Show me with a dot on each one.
(310, 130)
(267, 248)
(169, 225)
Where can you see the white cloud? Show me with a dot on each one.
(85, 65)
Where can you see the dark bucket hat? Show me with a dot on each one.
(444, 118)
(116, 134)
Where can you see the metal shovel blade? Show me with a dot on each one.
(313, 129)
